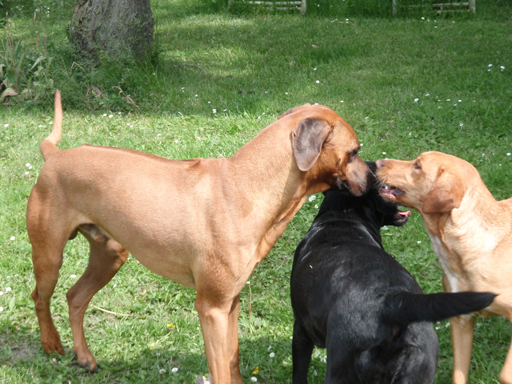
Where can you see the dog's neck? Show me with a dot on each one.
(467, 236)
(285, 188)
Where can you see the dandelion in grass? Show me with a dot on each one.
(170, 325)
(256, 370)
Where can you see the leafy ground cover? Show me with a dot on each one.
(406, 84)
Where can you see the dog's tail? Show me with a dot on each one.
(49, 145)
(405, 307)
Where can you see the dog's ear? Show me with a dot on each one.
(445, 195)
(292, 110)
(307, 140)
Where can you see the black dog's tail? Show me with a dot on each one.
(404, 307)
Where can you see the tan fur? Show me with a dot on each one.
(204, 223)
(471, 233)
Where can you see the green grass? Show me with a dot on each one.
(390, 78)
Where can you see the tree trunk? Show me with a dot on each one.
(118, 28)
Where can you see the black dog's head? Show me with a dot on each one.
(371, 205)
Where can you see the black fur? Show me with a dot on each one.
(354, 299)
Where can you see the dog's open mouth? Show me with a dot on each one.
(390, 193)
(401, 217)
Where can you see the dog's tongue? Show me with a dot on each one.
(404, 213)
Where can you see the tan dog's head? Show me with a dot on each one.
(326, 147)
(432, 183)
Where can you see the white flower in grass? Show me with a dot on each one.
(318, 81)
(254, 379)
(272, 354)
(502, 67)
(73, 276)
(7, 289)
(419, 242)
(269, 348)
(416, 100)
(6, 125)
(174, 370)
(312, 198)
(508, 154)
(12, 238)
(1, 293)
(110, 116)
(162, 370)
(383, 153)
(26, 173)
(1, 309)
(490, 65)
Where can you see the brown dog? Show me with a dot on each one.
(471, 234)
(231, 213)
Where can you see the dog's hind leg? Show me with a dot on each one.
(302, 348)
(48, 239)
(105, 259)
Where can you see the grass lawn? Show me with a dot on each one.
(406, 85)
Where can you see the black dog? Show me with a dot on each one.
(354, 299)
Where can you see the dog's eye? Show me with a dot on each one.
(352, 155)
(416, 166)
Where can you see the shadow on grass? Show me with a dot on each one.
(22, 357)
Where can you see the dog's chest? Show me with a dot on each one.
(446, 263)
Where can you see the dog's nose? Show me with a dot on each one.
(380, 163)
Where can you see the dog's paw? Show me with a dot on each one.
(202, 379)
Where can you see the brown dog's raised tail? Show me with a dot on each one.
(49, 145)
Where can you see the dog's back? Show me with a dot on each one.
(354, 299)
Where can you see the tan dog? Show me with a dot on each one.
(231, 213)
(471, 234)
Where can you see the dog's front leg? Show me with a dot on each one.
(234, 364)
(302, 348)
(506, 372)
(461, 329)
(215, 316)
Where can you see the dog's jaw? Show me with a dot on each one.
(391, 193)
